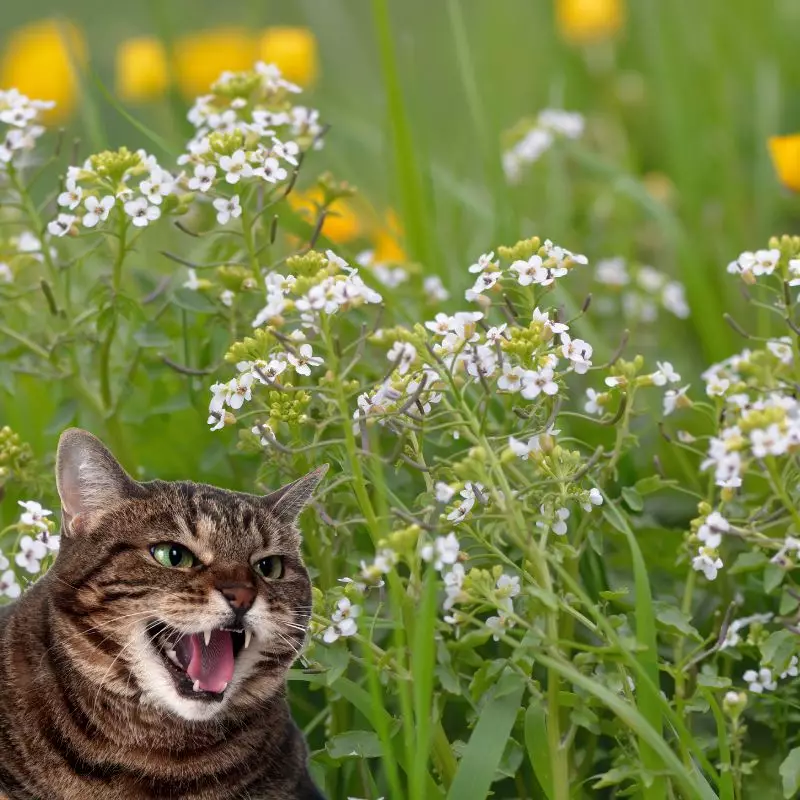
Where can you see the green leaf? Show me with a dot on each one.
(652, 483)
(632, 499)
(713, 681)
(354, 744)
(773, 577)
(189, 300)
(613, 595)
(150, 335)
(478, 765)
(748, 562)
(673, 618)
(65, 414)
(536, 745)
(790, 773)
(778, 650)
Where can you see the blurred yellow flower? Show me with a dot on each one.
(142, 71)
(294, 50)
(785, 152)
(582, 21)
(41, 59)
(386, 242)
(342, 223)
(201, 57)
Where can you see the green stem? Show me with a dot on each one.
(250, 243)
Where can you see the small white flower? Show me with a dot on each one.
(508, 586)
(444, 493)
(498, 624)
(707, 562)
(30, 554)
(434, 289)
(592, 405)
(665, 374)
(716, 386)
(484, 262)
(235, 167)
(226, 297)
(9, 586)
(594, 499)
(760, 681)
(530, 271)
(793, 670)
(484, 282)
(523, 449)
(710, 532)
(141, 212)
(511, 379)
(794, 271)
(271, 170)
(193, 282)
(443, 552)
(203, 179)
(157, 186)
(227, 209)
(578, 352)
(304, 360)
(559, 526)
(240, 390)
(61, 225)
(34, 514)
(97, 210)
(671, 399)
(535, 383)
(403, 354)
(72, 195)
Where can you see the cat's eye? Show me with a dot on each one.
(270, 567)
(173, 555)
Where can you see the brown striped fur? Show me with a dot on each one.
(87, 710)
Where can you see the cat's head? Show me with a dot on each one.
(179, 595)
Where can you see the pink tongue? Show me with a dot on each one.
(212, 664)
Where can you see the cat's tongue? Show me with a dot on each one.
(209, 665)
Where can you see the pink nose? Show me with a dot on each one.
(240, 596)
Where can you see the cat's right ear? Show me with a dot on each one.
(89, 478)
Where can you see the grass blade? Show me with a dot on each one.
(535, 735)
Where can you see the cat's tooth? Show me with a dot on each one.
(207, 637)
(247, 635)
(224, 687)
(196, 686)
(172, 656)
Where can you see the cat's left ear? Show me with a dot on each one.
(89, 479)
(288, 501)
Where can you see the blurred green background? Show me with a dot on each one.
(680, 99)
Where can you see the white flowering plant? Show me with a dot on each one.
(500, 603)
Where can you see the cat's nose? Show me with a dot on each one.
(240, 596)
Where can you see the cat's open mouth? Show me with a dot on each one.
(201, 664)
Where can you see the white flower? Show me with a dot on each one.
(484, 262)
(511, 379)
(193, 283)
(444, 493)
(443, 551)
(561, 254)
(6, 275)
(157, 186)
(710, 532)
(530, 271)
(71, 196)
(203, 178)
(759, 681)
(235, 167)
(534, 383)
(51, 541)
(453, 583)
(665, 374)
(97, 210)
(30, 554)
(523, 449)
(762, 262)
(673, 298)
(716, 386)
(671, 399)
(434, 289)
(468, 494)
(226, 297)
(578, 352)
(270, 170)
(508, 586)
(793, 670)
(403, 354)
(34, 514)
(592, 405)
(612, 272)
(707, 562)
(484, 282)
(344, 621)
(559, 526)
(769, 442)
(594, 499)
(794, 271)
(61, 225)
(498, 624)
(142, 212)
(304, 360)
(227, 209)
(9, 586)
(543, 318)
(239, 390)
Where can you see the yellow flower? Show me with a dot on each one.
(41, 59)
(785, 152)
(294, 51)
(201, 57)
(582, 21)
(341, 224)
(142, 72)
(387, 247)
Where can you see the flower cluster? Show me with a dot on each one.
(641, 290)
(132, 182)
(532, 141)
(20, 124)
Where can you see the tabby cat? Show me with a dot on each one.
(150, 661)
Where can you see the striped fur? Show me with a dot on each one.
(87, 708)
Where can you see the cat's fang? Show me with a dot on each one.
(173, 657)
(247, 636)
(207, 637)
(196, 686)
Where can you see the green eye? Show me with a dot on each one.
(270, 567)
(174, 556)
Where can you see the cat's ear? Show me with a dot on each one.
(288, 501)
(89, 478)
